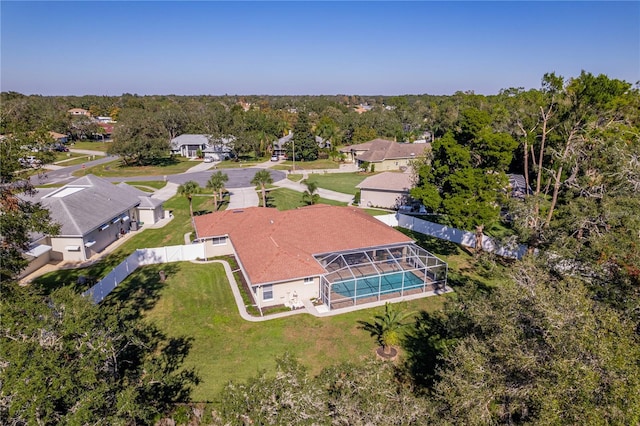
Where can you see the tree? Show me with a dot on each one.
(65, 360)
(262, 178)
(306, 147)
(543, 352)
(386, 328)
(310, 196)
(188, 190)
(139, 138)
(451, 183)
(216, 183)
(18, 218)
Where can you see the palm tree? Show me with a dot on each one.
(310, 196)
(188, 189)
(262, 178)
(386, 328)
(216, 183)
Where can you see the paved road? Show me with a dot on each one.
(64, 174)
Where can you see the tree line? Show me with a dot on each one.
(556, 341)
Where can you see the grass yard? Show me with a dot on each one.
(116, 168)
(339, 182)
(147, 185)
(171, 234)
(93, 146)
(196, 301)
(65, 158)
(288, 199)
(308, 165)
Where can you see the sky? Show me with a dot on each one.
(310, 48)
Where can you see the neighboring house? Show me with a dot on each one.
(518, 186)
(219, 149)
(79, 111)
(59, 137)
(385, 154)
(363, 108)
(279, 146)
(108, 130)
(338, 255)
(93, 213)
(388, 190)
(187, 145)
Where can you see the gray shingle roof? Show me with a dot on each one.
(188, 139)
(88, 202)
(382, 149)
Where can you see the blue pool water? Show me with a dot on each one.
(367, 286)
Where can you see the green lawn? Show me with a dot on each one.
(93, 146)
(147, 185)
(196, 301)
(339, 182)
(237, 164)
(308, 165)
(64, 158)
(171, 234)
(288, 199)
(165, 166)
(78, 159)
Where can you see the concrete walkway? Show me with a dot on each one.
(167, 192)
(243, 197)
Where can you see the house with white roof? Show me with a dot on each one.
(92, 213)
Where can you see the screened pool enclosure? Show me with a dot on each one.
(363, 276)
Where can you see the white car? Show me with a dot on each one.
(274, 158)
(208, 159)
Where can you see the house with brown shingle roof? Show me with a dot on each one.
(385, 154)
(388, 190)
(339, 255)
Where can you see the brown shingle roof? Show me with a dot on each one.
(277, 245)
(381, 149)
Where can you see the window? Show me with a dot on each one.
(308, 280)
(219, 241)
(267, 292)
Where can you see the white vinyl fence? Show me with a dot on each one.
(465, 238)
(143, 257)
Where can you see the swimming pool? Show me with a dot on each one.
(378, 284)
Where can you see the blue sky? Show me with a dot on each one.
(294, 47)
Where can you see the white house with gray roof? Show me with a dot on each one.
(92, 213)
(187, 145)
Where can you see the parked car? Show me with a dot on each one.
(30, 161)
(208, 159)
(274, 158)
(61, 148)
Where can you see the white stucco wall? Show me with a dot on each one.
(149, 216)
(58, 251)
(218, 250)
(285, 292)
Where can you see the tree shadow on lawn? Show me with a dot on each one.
(433, 245)
(142, 289)
(80, 279)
